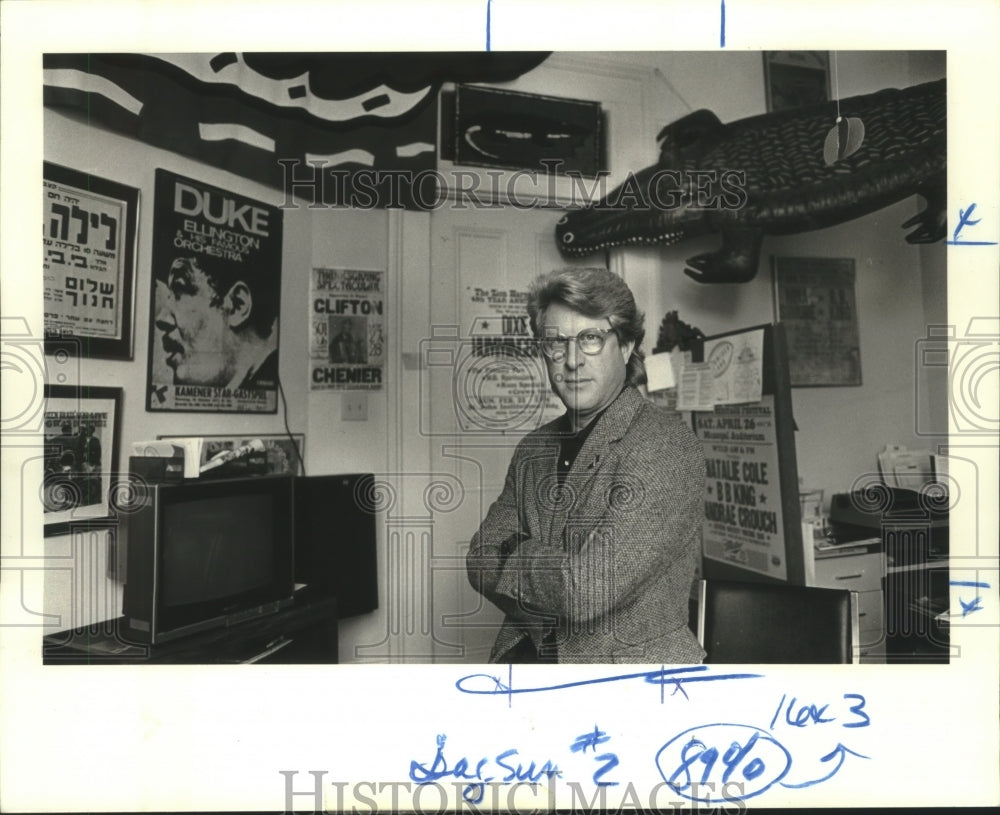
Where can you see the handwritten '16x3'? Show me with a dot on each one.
(804, 715)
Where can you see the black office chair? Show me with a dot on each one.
(766, 623)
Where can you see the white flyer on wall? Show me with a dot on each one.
(503, 377)
(346, 329)
(736, 365)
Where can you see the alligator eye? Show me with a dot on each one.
(568, 237)
(563, 220)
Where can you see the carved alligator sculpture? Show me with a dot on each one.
(766, 175)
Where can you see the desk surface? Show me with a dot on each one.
(924, 565)
(106, 643)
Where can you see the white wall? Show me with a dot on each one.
(349, 239)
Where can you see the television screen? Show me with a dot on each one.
(206, 553)
(216, 547)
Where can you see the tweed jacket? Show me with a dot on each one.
(605, 562)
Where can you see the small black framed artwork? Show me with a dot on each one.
(82, 439)
(88, 262)
(494, 127)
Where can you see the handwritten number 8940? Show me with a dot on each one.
(696, 751)
(702, 762)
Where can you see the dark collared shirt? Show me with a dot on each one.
(571, 444)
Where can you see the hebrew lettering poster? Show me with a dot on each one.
(743, 519)
(346, 329)
(216, 300)
(88, 256)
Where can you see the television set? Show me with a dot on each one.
(335, 530)
(207, 553)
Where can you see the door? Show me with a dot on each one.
(485, 388)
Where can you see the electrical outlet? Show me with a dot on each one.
(354, 406)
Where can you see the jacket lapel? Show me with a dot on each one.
(540, 486)
(597, 455)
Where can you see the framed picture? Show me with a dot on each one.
(527, 131)
(88, 261)
(814, 300)
(82, 437)
(794, 79)
(282, 454)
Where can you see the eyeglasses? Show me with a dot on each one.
(590, 341)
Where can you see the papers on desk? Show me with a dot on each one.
(908, 469)
(831, 545)
(187, 450)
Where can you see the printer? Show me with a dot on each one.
(913, 525)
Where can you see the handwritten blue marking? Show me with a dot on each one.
(477, 778)
(964, 220)
(808, 714)
(839, 752)
(529, 773)
(591, 740)
(721, 751)
(439, 767)
(968, 608)
(857, 711)
(811, 714)
(677, 687)
(971, 583)
(494, 686)
(777, 712)
(610, 762)
(489, 8)
(722, 31)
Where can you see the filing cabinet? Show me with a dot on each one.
(859, 569)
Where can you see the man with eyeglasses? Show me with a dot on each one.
(590, 548)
